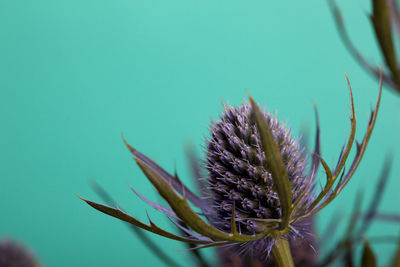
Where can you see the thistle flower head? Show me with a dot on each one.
(239, 174)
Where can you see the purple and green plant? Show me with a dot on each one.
(258, 195)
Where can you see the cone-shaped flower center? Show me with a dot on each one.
(239, 174)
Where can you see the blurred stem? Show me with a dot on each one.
(281, 253)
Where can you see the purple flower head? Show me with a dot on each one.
(239, 175)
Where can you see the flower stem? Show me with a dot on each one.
(281, 253)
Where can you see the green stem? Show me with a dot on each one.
(281, 253)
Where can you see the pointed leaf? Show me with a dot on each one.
(382, 25)
(178, 186)
(183, 210)
(317, 149)
(345, 178)
(343, 157)
(275, 163)
(140, 233)
(363, 146)
(151, 228)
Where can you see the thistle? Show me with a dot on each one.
(258, 190)
(241, 180)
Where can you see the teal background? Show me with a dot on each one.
(75, 74)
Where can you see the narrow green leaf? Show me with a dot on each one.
(382, 25)
(119, 214)
(361, 147)
(275, 163)
(331, 177)
(368, 256)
